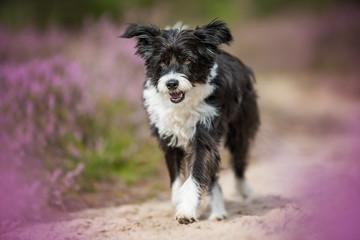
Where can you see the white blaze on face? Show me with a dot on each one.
(184, 83)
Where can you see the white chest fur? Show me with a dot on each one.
(179, 121)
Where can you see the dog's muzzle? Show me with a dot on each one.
(176, 96)
(175, 84)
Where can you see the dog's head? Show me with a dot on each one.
(178, 60)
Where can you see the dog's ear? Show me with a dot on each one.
(141, 31)
(214, 33)
(145, 34)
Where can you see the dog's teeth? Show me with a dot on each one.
(176, 95)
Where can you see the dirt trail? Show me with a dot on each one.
(286, 149)
(260, 216)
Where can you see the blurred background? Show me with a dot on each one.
(74, 134)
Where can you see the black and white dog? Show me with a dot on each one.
(196, 95)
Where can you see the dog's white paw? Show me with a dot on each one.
(217, 204)
(186, 211)
(243, 188)
(218, 216)
(185, 219)
(187, 198)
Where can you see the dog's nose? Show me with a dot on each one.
(172, 84)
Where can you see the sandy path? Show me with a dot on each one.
(262, 215)
(279, 161)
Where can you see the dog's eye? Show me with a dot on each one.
(187, 61)
(161, 63)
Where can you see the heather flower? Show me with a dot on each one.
(47, 109)
(39, 105)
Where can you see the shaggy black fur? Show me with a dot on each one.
(234, 96)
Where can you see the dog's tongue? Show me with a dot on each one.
(176, 95)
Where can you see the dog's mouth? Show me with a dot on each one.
(176, 97)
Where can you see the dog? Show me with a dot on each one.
(196, 96)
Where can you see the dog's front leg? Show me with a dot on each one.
(175, 159)
(203, 166)
(187, 201)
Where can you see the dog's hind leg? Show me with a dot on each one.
(217, 205)
(240, 133)
(238, 149)
(242, 187)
